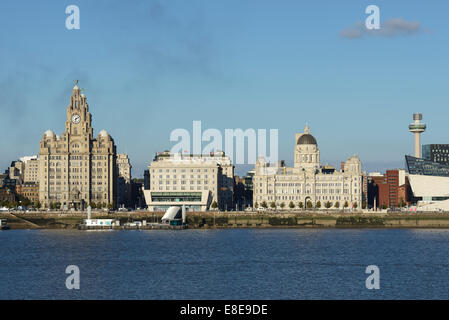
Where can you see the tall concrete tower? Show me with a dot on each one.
(417, 128)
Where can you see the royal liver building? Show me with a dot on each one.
(77, 169)
(308, 184)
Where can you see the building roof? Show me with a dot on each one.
(307, 139)
(172, 213)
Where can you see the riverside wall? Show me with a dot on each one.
(310, 219)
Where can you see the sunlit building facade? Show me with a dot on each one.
(76, 169)
(308, 183)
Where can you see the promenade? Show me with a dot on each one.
(207, 220)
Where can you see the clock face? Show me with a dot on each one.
(76, 118)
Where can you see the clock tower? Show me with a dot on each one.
(77, 169)
(79, 119)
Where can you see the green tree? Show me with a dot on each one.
(214, 205)
(355, 205)
(300, 205)
(38, 205)
(256, 205)
(52, 205)
(24, 201)
(337, 205)
(309, 205)
(282, 205)
(264, 204)
(328, 205)
(384, 206)
(363, 205)
(273, 205)
(93, 205)
(346, 204)
(318, 204)
(291, 205)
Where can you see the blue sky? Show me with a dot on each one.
(149, 67)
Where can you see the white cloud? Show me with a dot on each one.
(390, 28)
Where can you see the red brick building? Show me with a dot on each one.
(390, 190)
(392, 179)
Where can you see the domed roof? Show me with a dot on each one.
(104, 133)
(307, 139)
(49, 133)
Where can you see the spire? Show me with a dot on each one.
(306, 129)
(76, 88)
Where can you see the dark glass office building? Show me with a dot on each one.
(436, 153)
(426, 167)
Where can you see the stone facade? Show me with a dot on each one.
(6, 195)
(76, 168)
(16, 171)
(29, 190)
(31, 173)
(124, 167)
(123, 180)
(308, 181)
(194, 180)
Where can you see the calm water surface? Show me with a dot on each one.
(225, 264)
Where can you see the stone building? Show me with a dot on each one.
(31, 172)
(16, 171)
(124, 167)
(26, 169)
(123, 180)
(76, 168)
(29, 190)
(6, 195)
(243, 191)
(196, 181)
(308, 183)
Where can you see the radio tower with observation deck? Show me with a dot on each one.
(417, 128)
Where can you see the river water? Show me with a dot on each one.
(225, 264)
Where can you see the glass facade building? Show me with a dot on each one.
(425, 167)
(436, 153)
(176, 196)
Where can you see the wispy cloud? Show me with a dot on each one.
(390, 28)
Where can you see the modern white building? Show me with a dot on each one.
(308, 182)
(196, 181)
(429, 182)
(432, 192)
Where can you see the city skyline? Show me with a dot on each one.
(168, 69)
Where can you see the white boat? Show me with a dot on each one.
(3, 224)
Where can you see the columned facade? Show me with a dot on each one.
(308, 184)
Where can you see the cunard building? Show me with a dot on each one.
(308, 183)
(76, 169)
